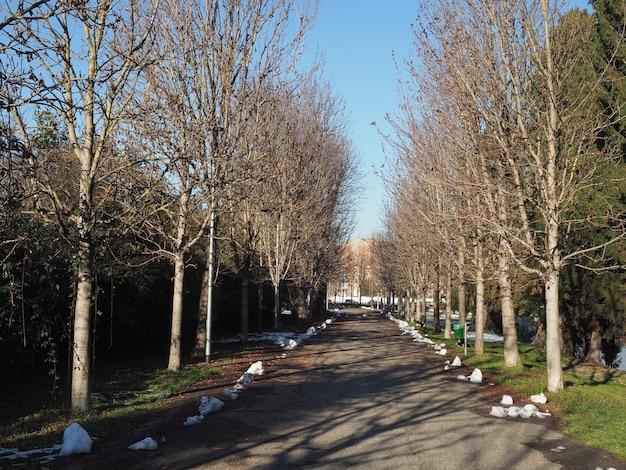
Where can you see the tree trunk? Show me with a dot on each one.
(448, 327)
(200, 344)
(595, 346)
(553, 333)
(259, 315)
(418, 304)
(175, 355)
(81, 362)
(553, 255)
(309, 312)
(437, 306)
(479, 321)
(301, 304)
(245, 310)
(540, 338)
(462, 295)
(276, 305)
(81, 352)
(509, 326)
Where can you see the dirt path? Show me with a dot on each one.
(358, 395)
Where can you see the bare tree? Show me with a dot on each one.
(88, 81)
(213, 64)
(306, 161)
(533, 143)
(301, 144)
(383, 267)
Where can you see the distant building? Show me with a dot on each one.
(356, 273)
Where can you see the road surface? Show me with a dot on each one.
(361, 395)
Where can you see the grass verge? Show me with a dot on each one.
(591, 408)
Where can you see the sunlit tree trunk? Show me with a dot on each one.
(479, 321)
(175, 355)
(462, 287)
(509, 326)
(448, 327)
(81, 342)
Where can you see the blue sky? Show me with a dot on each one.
(359, 39)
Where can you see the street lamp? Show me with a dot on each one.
(215, 131)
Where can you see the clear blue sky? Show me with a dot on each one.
(359, 39)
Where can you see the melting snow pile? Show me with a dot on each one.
(476, 377)
(210, 405)
(541, 398)
(527, 411)
(455, 363)
(191, 420)
(75, 441)
(506, 400)
(289, 343)
(230, 394)
(256, 368)
(145, 444)
(410, 331)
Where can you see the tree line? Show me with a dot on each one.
(151, 151)
(508, 181)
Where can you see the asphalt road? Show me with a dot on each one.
(361, 395)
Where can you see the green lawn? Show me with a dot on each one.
(592, 407)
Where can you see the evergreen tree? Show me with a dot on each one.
(594, 294)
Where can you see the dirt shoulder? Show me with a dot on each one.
(165, 425)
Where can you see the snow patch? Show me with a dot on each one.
(210, 405)
(229, 394)
(540, 398)
(476, 377)
(526, 411)
(192, 420)
(75, 441)
(506, 400)
(145, 444)
(256, 368)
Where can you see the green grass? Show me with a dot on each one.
(596, 415)
(591, 408)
